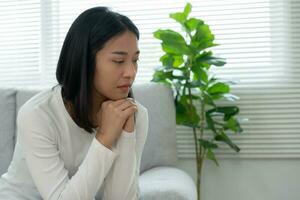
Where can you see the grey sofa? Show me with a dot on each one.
(159, 177)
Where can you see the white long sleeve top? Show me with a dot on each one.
(56, 159)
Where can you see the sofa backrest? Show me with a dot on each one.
(7, 126)
(160, 147)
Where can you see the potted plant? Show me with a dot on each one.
(186, 68)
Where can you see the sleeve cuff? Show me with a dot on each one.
(111, 152)
(126, 134)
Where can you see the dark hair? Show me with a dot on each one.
(76, 65)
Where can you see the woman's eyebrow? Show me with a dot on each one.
(123, 52)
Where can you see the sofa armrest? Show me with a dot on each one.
(166, 183)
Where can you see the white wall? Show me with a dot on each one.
(247, 179)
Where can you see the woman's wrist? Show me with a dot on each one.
(104, 142)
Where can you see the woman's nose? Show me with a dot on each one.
(130, 70)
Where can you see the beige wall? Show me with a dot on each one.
(248, 179)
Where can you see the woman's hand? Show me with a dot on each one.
(129, 124)
(113, 116)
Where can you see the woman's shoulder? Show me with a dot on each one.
(36, 105)
(35, 117)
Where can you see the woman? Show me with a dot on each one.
(83, 139)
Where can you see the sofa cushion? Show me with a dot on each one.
(160, 148)
(7, 126)
(167, 183)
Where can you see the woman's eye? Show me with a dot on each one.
(122, 61)
(118, 61)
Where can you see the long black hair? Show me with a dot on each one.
(76, 65)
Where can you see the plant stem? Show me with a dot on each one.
(197, 163)
(201, 155)
(198, 155)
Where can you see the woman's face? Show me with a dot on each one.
(116, 65)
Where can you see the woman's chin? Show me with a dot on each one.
(119, 97)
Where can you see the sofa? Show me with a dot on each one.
(160, 179)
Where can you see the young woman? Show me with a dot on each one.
(83, 139)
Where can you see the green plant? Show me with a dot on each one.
(186, 67)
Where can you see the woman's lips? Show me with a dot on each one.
(124, 88)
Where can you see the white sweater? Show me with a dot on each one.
(56, 159)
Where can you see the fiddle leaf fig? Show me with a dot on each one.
(207, 144)
(182, 16)
(187, 68)
(224, 138)
(218, 88)
(192, 23)
(172, 60)
(210, 155)
(183, 107)
(172, 42)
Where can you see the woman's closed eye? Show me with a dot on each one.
(122, 61)
(118, 61)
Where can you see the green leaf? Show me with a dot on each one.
(159, 76)
(182, 16)
(228, 111)
(224, 138)
(168, 35)
(174, 77)
(207, 144)
(210, 122)
(218, 88)
(211, 156)
(172, 60)
(203, 38)
(179, 17)
(192, 23)
(206, 57)
(202, 57)
(216, 96)
(167, 61)
(186, 114)
(187, 9)
(163, 73)
(175, 48)
(195, 97)
(231, 124)
(194, 84)
(200, 73)
(208, 99)
(216, 61)
(234, 125)
(172, 42)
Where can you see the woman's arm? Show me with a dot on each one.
(122, 180)
(119, 183)
(47, 168)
